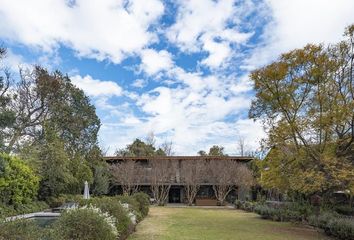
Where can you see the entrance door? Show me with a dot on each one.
(174, 195)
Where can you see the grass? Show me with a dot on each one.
(164, 223)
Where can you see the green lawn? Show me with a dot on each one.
(216, 224)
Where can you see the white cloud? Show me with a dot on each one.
(205, 25)
(105, 29)
(14, 61)
(191, 116)
(95, 87)
(153, 61)
(218, 52)
(296, 23)
(139, 83)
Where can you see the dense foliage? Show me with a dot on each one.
(306, 100)
(84, 224)
(13, 210)
(50, 125)
(20, 229)
(18, 183)
(141, 148)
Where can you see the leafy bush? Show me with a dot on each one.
(64, 198)
(345, 210)
(7, 211)
(334, 224)
(322, 219)
(343, 228)
(134, 205)
(278, 214)
(238, 204)
(114, 208)
(245, 205)
(18, 183)
(36, 206)
(267, 212)
(20, 229)
(84, 224)
(144, 202)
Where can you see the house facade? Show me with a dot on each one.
(176, 173)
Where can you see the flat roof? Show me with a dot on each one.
(235, 158)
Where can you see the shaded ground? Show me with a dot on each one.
(165, 223)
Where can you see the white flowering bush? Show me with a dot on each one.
(85, 223)
(131, 213)
(110, 220)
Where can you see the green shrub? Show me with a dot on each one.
(245, 205)
(248, 206)
(20, 229)
(7, 211)
(36, 206)
(342, 228)
(144, 202)
(134, 205)
(18, 183)
(322, 219)
(114, 208)
(238, 204)
(267, 212)
(64, 198)
(84, 224)
(278, 214)
(345, 210)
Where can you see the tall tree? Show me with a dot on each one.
(306, 102)
(7, 116)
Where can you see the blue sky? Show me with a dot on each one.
(176, 68)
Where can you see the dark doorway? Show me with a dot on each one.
(174, 196)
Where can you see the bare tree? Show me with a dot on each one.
(162, 174)
(192, 173)
(226, 175)
(127, 175)
(241, 146)
(167, 147)
(150, 139)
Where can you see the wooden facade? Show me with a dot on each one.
(205, 194)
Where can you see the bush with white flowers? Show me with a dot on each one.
(85, 223)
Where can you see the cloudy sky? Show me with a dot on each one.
(177, 68)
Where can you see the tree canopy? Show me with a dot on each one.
(215, 150)
(140, 148)
(306, 100)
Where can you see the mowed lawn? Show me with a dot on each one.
(216, 224)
